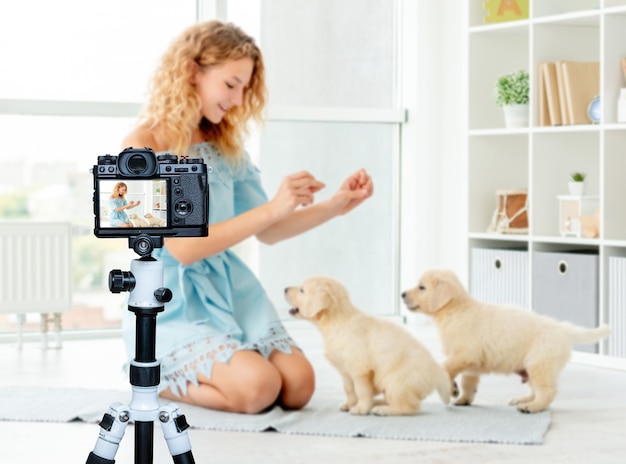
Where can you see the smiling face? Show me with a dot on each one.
(222, 86)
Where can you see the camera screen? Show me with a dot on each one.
(133, 203)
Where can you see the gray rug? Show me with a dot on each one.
(435, 422)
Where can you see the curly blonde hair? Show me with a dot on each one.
(174, 105)
(115, 193)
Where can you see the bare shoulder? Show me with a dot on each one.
(141, 137)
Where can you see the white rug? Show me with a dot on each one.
(435, 422)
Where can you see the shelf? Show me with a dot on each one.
(540, 159)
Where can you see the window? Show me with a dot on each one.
(71, 85)
(331, 70)
(71, 88)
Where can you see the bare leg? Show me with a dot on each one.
(247, 384)
(298, 378)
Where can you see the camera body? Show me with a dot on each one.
(164, 196)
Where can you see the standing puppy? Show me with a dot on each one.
(154, 221)
(372, 355)
(480, 338)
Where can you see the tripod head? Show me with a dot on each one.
(143, 244)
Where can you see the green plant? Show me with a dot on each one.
(512, 89)
(578, 176)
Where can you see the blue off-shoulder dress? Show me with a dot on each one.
(219, 307)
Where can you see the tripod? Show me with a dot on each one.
(146, 299)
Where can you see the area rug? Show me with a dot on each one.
(435, 422)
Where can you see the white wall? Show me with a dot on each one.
(434, 217)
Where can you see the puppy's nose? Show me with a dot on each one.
(286, 289)
(403, 294)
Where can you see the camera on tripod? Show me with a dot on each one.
(169, 197)
(172, 196)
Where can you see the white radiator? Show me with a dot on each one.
(35, 272)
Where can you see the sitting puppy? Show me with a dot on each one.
(137, 221)
(372, 355)
(154, 221)
(480, 338)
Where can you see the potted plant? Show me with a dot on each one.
(512, 92)
(577, 183)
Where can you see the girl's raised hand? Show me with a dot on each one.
(295, 190)
(354, 190)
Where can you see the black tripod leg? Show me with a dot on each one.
(144, 442)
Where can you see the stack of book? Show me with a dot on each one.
(566, 89)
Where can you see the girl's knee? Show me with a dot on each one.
(259, 393)
(298, 384)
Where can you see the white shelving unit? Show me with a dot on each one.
(541, 158)
(159, 199)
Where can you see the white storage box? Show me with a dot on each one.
(499, 276)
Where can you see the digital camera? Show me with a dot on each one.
(138, 193)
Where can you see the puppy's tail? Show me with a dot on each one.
(583, 335)
(443, 385)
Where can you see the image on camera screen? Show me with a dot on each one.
(137, 204)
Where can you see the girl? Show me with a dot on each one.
(220, 341)
(118, 206)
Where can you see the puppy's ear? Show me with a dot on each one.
(321, 300)
(441, 294)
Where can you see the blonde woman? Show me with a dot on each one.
(220, 341)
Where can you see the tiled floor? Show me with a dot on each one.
(588, 417)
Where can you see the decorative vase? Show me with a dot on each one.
(576, 188)
(515, 116)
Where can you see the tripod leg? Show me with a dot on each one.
(112, 428)
(174, 426)
(144, 442)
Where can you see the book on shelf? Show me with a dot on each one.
(566, 89)
(562, 97)
(582, 83)
(548, 72)
(544, 113)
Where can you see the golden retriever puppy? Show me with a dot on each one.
(154, 221)
(372, 355)
(480, 338)
(137, 221)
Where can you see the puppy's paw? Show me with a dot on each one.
(463, 401)
(360, 410)
(522, 400)
(382, 410)
(529, 408)
(344, 407)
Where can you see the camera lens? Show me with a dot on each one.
(137, 164)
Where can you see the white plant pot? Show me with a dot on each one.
(576, 188)
(515, 116)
